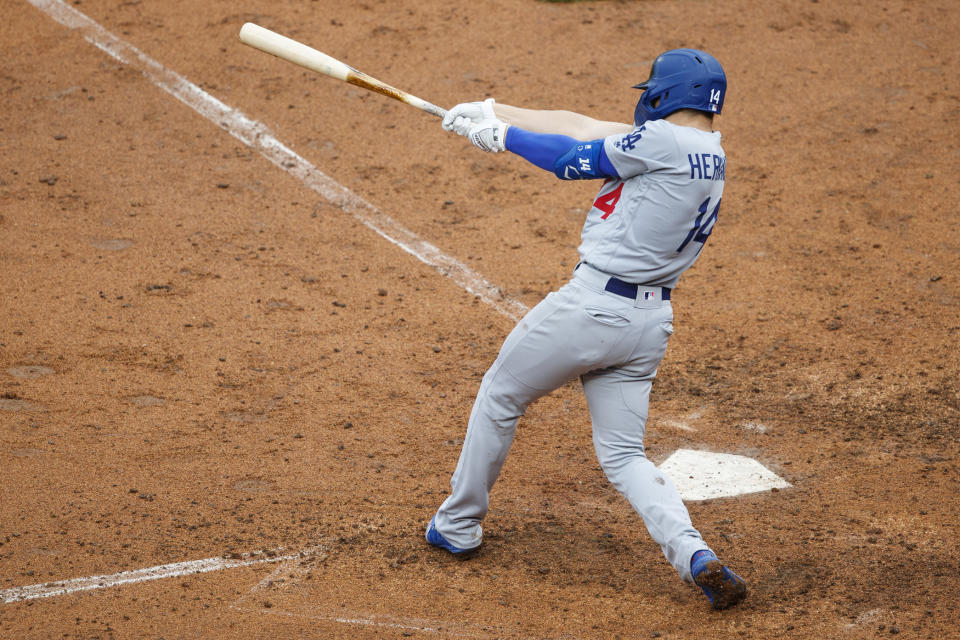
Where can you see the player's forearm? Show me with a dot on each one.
(541, 149)
(565, 123)
(565, 157)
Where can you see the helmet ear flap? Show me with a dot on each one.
(648, 106)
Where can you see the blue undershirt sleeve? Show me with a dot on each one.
(542, 149)
(565, 157)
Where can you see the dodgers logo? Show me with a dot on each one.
(629, 141)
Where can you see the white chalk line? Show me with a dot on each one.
(383, 622)
(258, 136)
(175, 570)
(318, 553)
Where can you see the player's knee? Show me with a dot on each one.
(614, 459)
(508, 392)
(504, 406)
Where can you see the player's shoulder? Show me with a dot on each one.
(647, 129)
(654, 140)
(642, 138)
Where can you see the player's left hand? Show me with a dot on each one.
(489, 135)
(462, 117)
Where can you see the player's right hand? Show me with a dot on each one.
(462, 117)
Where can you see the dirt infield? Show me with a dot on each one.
(206, 355)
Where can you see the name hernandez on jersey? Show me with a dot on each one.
(649, 224)
(706, 166)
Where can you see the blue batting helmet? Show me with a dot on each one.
(681, 79)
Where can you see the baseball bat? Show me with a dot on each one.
(308, 57)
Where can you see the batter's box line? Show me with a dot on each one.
(174, 570)
(293, 567)
(420, 625)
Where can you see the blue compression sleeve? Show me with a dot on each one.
(541, 149)
(567, 158)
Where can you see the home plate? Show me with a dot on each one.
(704, 475)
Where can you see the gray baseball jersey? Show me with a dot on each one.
(649, 226)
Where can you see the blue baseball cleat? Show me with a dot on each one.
(433, 537)
(722, 587)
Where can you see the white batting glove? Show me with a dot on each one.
(462, 125)
(489, 135)
(471, 112)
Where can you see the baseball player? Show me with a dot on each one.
(663, 179)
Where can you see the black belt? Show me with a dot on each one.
(629, 290)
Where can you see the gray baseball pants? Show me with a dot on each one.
(614, 344)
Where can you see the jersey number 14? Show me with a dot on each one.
(702, 228)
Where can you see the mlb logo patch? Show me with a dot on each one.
(649, 296)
